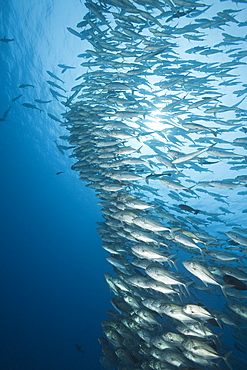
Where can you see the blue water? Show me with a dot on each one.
(52, 291)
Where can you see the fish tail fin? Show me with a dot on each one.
(237, 104)
(241, 258)
(226, 357)
(217, 337)
(180, 296)
(175, 263)
(224, 287)
(164, 245)
(186, 287)
(202, 253)
(139, 150)
(169, 260)
(220, 325)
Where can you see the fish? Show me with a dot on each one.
(222, 256)
(225, 184)
(25, 85)
(176, 312)
(31, 106)
(237, 284)
(174, 184)
(203, 274)
(197, 312)
(6, 41)
(80, 348)
(54, 76)
(148, 252)
(204, 350)
(6, 112)
(55, 94)
(164, 276)
(65, 67)
(190, 156)
(16, 98)
(42, 101)
(74, 32)
(149, 224)
(54, 118)
(238, 238)
(195, 127)
(55, 85)
(184, 207)
(61, 150)
(239, 308)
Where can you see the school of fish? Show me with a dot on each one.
(158, 125)
(157, 128)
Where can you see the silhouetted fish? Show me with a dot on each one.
(184, 207)
(213, 322)
(237, 284)
(6, 40)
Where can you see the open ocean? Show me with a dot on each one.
(52, 291)
(53, 294)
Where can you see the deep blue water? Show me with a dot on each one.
(52, 291)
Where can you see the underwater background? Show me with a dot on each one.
(52, 291)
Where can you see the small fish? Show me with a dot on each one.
(42, 101)
(64, 67)
(155, 175)
(184, 207)
(79, 348)
(17, 97)
(190, 156)
(239, 308)
(203, 274)
(6, 112)
(54, 76)
(55, 85)
(54, 118)
(240, 239)
(6, 40)
(179, 14)
(78, 34)
(59, 147)
(31, 106)
(58, 173)
(237, 284)
(55, 94)
(25, 85)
